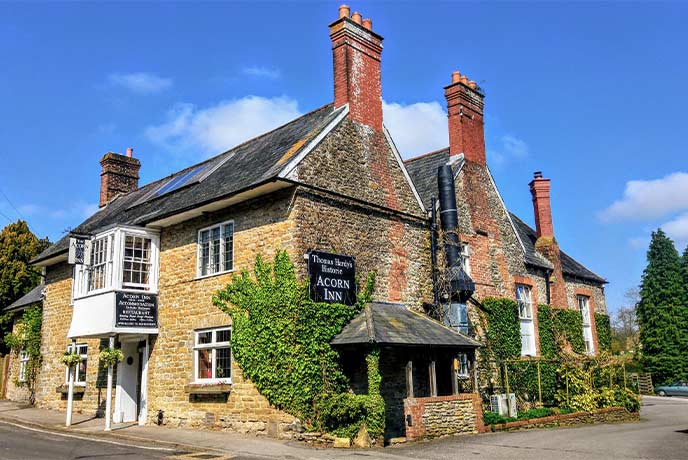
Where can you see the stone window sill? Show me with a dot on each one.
(64, 389)
(208, 388)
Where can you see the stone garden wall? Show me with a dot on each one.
(437, 416)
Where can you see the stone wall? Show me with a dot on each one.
(261, 226)
(57, 316)
(606, 415)
(437, 416)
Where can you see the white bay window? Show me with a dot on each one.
(121, 259)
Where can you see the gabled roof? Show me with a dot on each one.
(569, 266)
(384, 323)
(248, 165)
(423, 172)
(35, 295)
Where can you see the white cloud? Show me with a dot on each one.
(514, 146)
(416, 128)
(140, 82)
(509, 146)
(262, 72)
(222, 126)
(648, 199)
(677, 228)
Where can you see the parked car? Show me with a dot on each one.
(675, 389)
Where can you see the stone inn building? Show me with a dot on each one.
(330, 180)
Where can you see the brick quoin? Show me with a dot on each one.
(356, 52)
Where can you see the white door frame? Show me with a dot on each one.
(143, 397)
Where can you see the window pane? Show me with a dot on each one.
(204, 337)
(81, 372)
(229, 246)
(223, 369)
(222, 335)
(205, 368)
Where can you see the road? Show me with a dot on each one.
(661, 434)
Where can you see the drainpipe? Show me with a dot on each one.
(433, 250)
(108, 400)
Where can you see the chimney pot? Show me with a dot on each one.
(464, 79)
(456, 77)
(356, 17)
(130, 152)
(537, 174)
(344, 11)
(472, 84)
(368, 23)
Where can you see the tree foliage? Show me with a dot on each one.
(17, 247)
(662, 312)
(281, 339)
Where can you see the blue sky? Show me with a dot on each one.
(592, 94)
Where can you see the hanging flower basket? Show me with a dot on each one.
(70, 359)
(111, 356)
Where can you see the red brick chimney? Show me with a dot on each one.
(546, 244)
(118, 174)
(539, 189)
(465, 112)
(356, 51)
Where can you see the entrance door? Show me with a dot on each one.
(128, 383)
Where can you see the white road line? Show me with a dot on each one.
(85, 438)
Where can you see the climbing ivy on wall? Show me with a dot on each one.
(568, 328)
(27, 337)
(281, 339)
(604, 331)
(503, 331)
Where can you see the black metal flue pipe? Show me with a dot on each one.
(449, 217)
(433, 250)
(461, 284)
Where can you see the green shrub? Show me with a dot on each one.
(343, 414)
(604, 331)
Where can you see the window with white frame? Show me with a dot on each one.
(462, 361)
(213, 355)
(525, 316)
(465, 257)
(216, 249)
(122, 258)
(101, 257)
(23, 366)
(136, 264)
(584, 308)
(80, 374)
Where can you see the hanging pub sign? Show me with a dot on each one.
(134, 309)
(332, 278)
(79, 250)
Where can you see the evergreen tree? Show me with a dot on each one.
(684, 267)
(661, 312)
(17, 247)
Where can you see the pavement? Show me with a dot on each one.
(31, 433)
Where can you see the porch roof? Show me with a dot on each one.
(384, 323)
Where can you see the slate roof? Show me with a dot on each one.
(35, 295)
(423, 172)
(245, 166)
(393, 324)
(569, 266)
